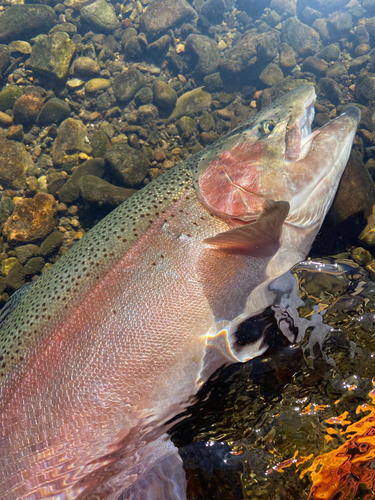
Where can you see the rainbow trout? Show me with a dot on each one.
(114, 340)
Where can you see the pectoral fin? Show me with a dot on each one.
(259, 238)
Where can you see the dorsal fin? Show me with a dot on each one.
(13, 302)
(259, 238)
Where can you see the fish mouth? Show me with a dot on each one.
(298, 133)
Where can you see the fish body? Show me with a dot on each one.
(109, 345)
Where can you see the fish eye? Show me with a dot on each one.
(268, 126)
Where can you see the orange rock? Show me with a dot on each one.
(32, 219)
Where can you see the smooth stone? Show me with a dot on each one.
(191, 103)
(206, 122)
(101, 15)
(330, 52)
(213, 11)
(23, 22)
(54, 111)
(34, 266)
(52, 243)
(129, 165)
(96, 191)
(75, 83)
(20, 46)
(203, 53)
(26, 252)
(5, 119)
(14, 163)
(331, 89)
(165, 96)
(147, 113)
(99, 143)
(144, 96)
(157, 50)
(271, 75)
(127, 84)
(70, 142)
(97, 84)
(186, 126)
(70, 191)
(51, 56)
(86, 67)
(16, 277)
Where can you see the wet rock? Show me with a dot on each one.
(22, 22)
(133, 49)
(302, 38)
(213, 11)
(127, 84)
(157, 50)
(287, 56)
(249, 57)
(70, 142)
(270, 95)
(309, 15)
(209, 137)
(356, 192)
(144, 96)
(100, 15)
(27, 108)
(103, 101)
(14, 162)
(51, 56)
(165, 96)
(34, 266)
(273, 18)
(331, 89)
(16, 277)
(285, 8)
(86, 67)
(162, 15)
(96, 84)
(15, 133)
(365, 87)
(315, 65)
(96, 191)
(213, 83)
(206, 122)
(336, 71)
(191, 103)
(330, 52)
(186, 126)
(20, 46)
(8, 96)
(70, 191)
(358, 63)
(54, 111)
(32, 219)
(51, 244)
(55, 181)
(99, 143)
(4, 59)
(339, 24)
(320, 26)
(203, 54)
(129, 165)
(26, 252)
(5, 119)
(147, 114)
(271, 75)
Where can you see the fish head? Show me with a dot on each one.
(276, 156)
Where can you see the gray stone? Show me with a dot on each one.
(101, 15)
(133, 49)
(52, 243)
(288, 58)
(86, 67)
(165, 96)
(213, 83)
(70, 191)
(22, 22)
(96, 191)
(309, 15)
(203, 54)
(285, 8)
(271, 75)
(146, 114)
(191, 103)
(34, 266)
(54, 111)
(162, 15)
(330, 52)
(331, 89)
(129, 165)
(339, 24)
(302, 38)
(70, 142)
(51, 56)
(26, 252)
(127, 84)
(206, 122)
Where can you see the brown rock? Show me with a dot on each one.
(15, 133)
(32, 219)
(27, 108)
(14, 162)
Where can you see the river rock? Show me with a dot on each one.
(133, 49)
(186, 126)
(288, 58)
(165, 96)
(51, 244)
(100, 15)
(271, 75)
(157, 50)
(34, 266)
(162, 15)
(330, 52)
(249, 57)
(86, 67)
(127, 84)
(4, 58)
(8, 96)
(270, 95)
(54, 111)
(14, 162)
(302, 38)
(339, 24)
(213, 11)
(96, 84)
(97, 191)
(99, 143)
(27, 108)
(144, 96)
(51, 56)
(129, 165)
(191, 103)
(203, 54)
(331, 89)
(315, 65)
(70, 141)
(26, 252)
(147, 114)
(16, 277)
(22, 22)
(32, 219)
(365, 87)
(70, 191)
(285, 8)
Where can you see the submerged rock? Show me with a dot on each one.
(54, 111)
(4, 58)
(51, 56)
(129, 165)
(203, 53)
(70, 142)
(97, 191)
(14, 162)
(162, 15)
(70, 191)
(22, 22)
(8, 96)
(32, 219)
(191, 103)
(52, 243)
(87, 67)
(302, 38)
(101, 15)
(27, 108)
(165, 96)
(127, 84)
